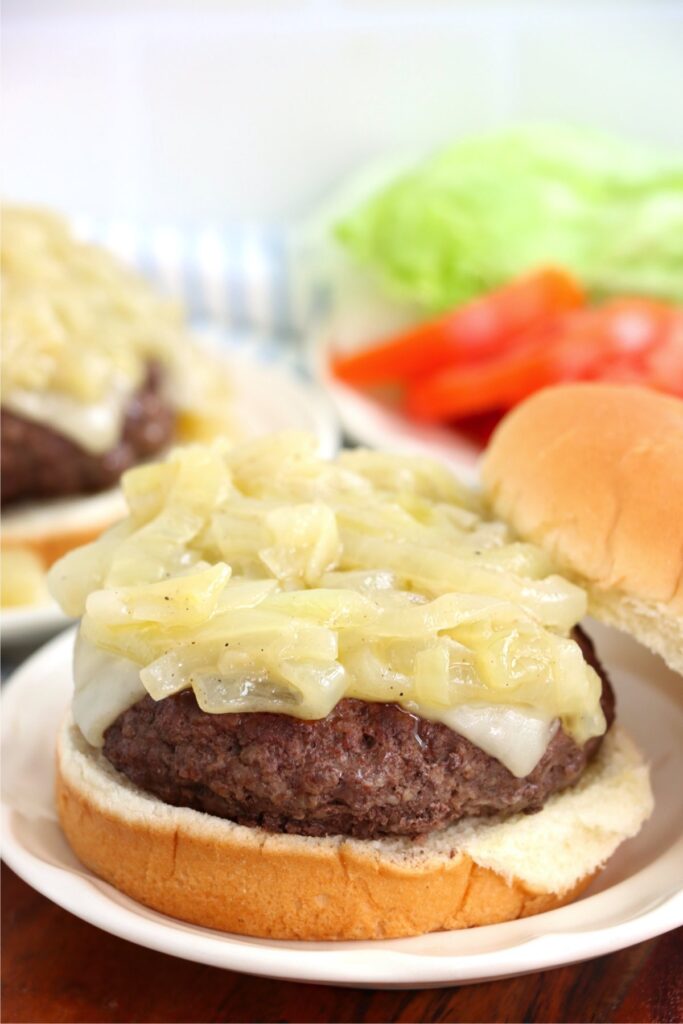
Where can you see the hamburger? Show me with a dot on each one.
(349, 700)
(98, 375)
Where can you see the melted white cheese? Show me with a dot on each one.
(95, 426)
(107, 685)
(515, 736)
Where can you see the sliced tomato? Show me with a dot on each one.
(480, 329)
(627, 340)
(659, 366)
(466, 391)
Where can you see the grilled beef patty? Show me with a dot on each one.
(366, 770)
(38, 462)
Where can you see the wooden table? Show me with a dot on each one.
(57, 968)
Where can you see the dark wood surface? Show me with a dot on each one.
(57, 968)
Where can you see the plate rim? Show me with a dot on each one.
(336, 964)
(22, 623)
(395, 433)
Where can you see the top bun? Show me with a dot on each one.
(594, 473)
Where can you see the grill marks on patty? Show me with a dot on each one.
(366, 770)
(38, 462)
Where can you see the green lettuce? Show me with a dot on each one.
(487, 209)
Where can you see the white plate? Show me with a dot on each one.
(270, 392)
(30, 623)
(269, 395)
(639, 895)
(367, 422)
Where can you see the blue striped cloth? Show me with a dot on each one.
(243, 277)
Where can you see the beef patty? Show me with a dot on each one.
(38, 462)
(365, 770)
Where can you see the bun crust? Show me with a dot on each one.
(214, 873)
(50, 547)
(594, 474)
(49, 529)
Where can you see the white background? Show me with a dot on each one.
(235, 110)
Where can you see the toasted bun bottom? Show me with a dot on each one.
(36, 534)
(25, 563)
(48, 548)
(214, 873)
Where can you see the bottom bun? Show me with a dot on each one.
(51, 527)
(35, 534)
(215, 873)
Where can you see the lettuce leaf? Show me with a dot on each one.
(487, 209)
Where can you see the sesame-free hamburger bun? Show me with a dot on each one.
(594, 474)
(582, 472)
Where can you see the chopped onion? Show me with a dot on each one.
(268, 579)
